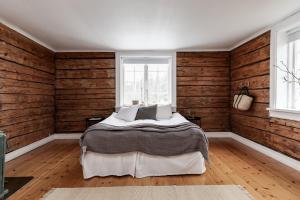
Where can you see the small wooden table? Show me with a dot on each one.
(195, 119)
(93, 120)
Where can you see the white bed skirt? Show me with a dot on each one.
(141, 165)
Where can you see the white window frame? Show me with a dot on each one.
(286, 24)
(119, 72)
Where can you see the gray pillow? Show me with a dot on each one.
(148, 112)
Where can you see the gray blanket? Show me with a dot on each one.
(147, 138)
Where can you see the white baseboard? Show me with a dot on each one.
(258, 147)
(218, 134)
(293, 163)
(57, 136)
(67, 136)
(14, 154)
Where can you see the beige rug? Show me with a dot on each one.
(199, 192)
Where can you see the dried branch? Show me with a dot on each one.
(295, 78)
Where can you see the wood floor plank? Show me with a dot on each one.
(253, 176)
(57, 165)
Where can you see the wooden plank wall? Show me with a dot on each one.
(250, 67)
(203, 87)
(27, 78)
(85, 87)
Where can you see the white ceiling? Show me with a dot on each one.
(91, 25)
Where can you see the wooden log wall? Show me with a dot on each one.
(85, 87)
(27, 78)
(250, 65)
(82, 85)
(203, 87)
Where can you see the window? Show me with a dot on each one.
(293, 86)
(146, 78)
(285, 69)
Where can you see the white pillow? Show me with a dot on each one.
(127, 113)
(164, 112)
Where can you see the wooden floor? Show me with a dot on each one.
(57, 165)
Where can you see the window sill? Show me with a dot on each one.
(284, 114)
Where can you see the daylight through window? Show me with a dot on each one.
(146, 80)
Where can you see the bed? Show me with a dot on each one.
(147, 148)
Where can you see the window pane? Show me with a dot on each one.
(296, 95)
(133, 83)
(283, 52)
(159, 89)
